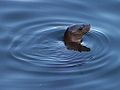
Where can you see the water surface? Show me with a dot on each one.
(34, 57)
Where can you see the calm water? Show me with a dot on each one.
(33, 55)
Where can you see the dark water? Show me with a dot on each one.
(33, 55)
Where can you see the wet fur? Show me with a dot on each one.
(74, 45)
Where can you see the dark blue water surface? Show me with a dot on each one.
(33, 55)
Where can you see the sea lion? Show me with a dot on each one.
(73, 37)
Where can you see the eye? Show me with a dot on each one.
(80, 28)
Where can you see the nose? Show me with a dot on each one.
(88, 25)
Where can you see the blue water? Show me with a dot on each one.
(32, 51)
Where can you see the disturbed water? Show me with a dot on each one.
(32, 51)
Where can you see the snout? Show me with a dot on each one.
(86, 28)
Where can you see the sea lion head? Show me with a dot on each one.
(79, 29)
(76, 32)
(73, 37)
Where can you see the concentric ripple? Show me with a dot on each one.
(32, 51)
(43, 45)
